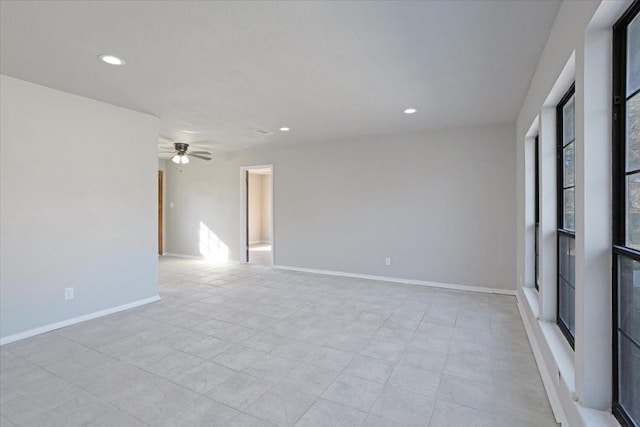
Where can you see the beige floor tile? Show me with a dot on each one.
(201, 412)
(324, 413)
(282, 406)
(240, 390)
(353, 392)
(370, 368)
(402, 406)
(315, 350)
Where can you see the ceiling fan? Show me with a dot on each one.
(179, 152)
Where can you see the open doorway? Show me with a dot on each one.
(258, 214)
(160, 213)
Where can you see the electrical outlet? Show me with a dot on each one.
(68, 293)
(387, 260)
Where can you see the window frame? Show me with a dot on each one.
(561, 230)
(620, 249)
(536, 277)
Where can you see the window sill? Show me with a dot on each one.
(562, 354)
(532, 299)
(563, 358)
(592, 417)
(561, 351)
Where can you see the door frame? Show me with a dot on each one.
(244, 217)
(160, 213)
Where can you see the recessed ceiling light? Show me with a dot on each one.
(410, 110)
(285, 129)
(111, 60)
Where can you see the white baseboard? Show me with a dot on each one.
(545, 372)
(403, 281)
(73, 321)
(182, 255)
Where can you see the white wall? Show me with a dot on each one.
(79, 194)
(440, 204)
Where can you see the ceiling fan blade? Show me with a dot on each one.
(193, 147)
(206, 153)
(199, 156)
(165, 140)
(202, 141)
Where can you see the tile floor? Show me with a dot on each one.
(243, 345)
(260, 253)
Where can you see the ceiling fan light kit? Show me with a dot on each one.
(181, 150)
(180, 159)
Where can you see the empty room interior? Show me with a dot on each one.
(258, 222)
(319, 213)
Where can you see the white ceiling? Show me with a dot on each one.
(328, 70)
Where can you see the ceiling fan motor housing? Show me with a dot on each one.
(181, 147)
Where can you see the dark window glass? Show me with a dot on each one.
(569, 200)
(629, 298)
(566, 282)
(629, 372)
(633, 56)
(633, 210)
(568, 121)
(626, 217)
(569, 165)
(633, 133)
(566, 214)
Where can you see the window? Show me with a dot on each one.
(536, 205)
(626, 218)
(566, 215)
